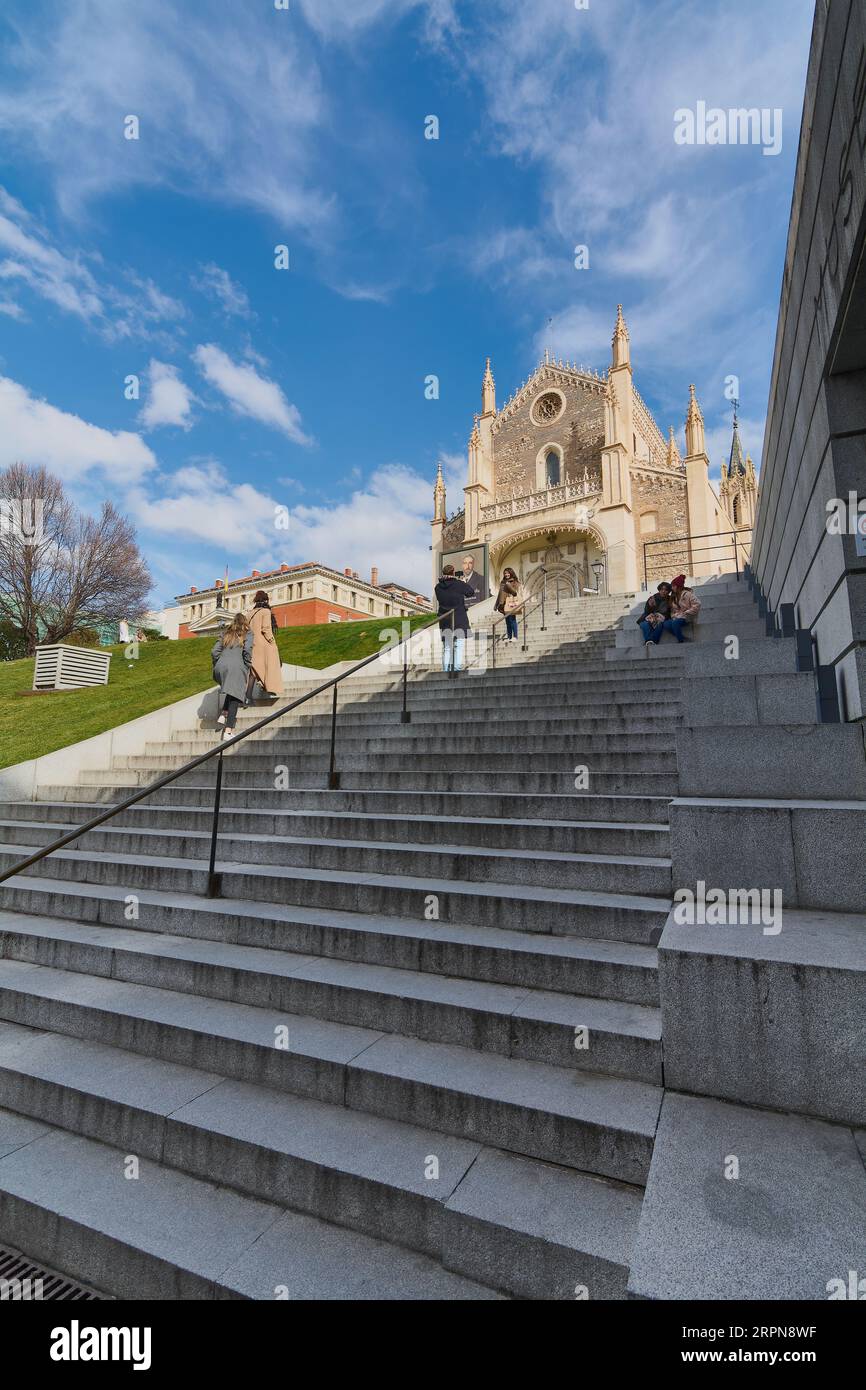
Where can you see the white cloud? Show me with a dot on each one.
(169, 399)
(218, 283)
(248, 393)
(201, 503)
(34, 432)
(385, 523)
(226, 99)
(337, 19)
(118, 308)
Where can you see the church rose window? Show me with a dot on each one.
(547, 408)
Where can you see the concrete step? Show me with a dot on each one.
(66, 1199)
(622, 1039)
(571, 837)
(323, 1161)
(595, 967)
(598, 1124)
(703, 631)
(500, 784)
(450, 859)
(411, 741)
(795, 1229)
(560, 911)
(463, 806)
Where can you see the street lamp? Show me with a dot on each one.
(598, 571)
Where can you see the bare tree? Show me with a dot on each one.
(61, 570)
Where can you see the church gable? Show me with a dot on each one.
(554, 425)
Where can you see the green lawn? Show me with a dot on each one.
(32, 725)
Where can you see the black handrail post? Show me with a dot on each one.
(493, 645)
(736, 555)
(557, 597)
(405, 716)
(452, 673)
(215, 880)
(525, 623)
(333, 774)
(543, 592)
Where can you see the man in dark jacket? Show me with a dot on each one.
(656, 616)
(453, 594)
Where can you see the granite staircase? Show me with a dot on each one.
(413, 1050)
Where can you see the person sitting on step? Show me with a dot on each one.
(657, 617)
(685, 603)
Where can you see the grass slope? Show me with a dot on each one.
(32, 725)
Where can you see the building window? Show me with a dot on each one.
(334, 618)
(551, 469)
(371, 605)
(352, 602)
(736, 510)
(334, 593)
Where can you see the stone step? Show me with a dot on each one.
(258, 759)
(326, 1162)
(409, 742)
(449, 859)
(621, 1040)
(598, 1124)
(570, 837)
(795, 1229)
(464, 806)
(560, 911)
(68, 1202)
(702, 631)
(595, 967)
(629, 784)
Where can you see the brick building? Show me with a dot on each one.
(299, 595)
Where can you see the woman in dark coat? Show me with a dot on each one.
(232, 657)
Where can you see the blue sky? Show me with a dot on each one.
(409, 257)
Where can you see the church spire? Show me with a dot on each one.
(671, 459)
(735, 462)
(488, 392)
(439, 495)
(695, 443)
(620, 342)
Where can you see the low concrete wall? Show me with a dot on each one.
(768, 1020)
(814, 852)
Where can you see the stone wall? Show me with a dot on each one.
(664, 494)
(579, 432)
(815, 447)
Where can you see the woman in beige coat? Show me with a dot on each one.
(266, 666)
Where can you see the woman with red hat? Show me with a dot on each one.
(685, 605)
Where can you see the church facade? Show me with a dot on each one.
(572, 483)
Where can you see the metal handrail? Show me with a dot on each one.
(730, 539)
(539, 600)
(220, 748)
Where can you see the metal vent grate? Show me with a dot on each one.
(23, 1281)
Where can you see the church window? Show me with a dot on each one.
(736, 511)
(547, 407)
(551, 468)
